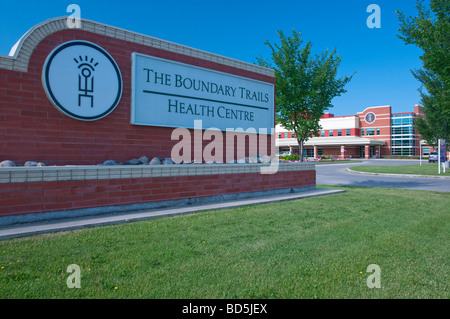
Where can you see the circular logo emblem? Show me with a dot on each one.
(82, 80)
(370, 118)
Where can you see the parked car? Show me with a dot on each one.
(285, 153)
(433, 157)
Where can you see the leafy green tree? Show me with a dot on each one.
(436, 122)
(305, 85)
(430, 31)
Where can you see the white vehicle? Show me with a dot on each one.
(433, 157)
(285, 153)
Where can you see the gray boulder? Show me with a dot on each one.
(253, 160)
(31, 164)
(265, 159)
(144, 160)
(155, 161)
(7, 164)
(167, 161)
(109, 162)
(133, 161)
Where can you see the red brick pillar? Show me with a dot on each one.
(342, 151)
(367, 151)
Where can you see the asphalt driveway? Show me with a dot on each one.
(336, 174)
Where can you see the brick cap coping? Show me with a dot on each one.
(21, 52)
(10, 175)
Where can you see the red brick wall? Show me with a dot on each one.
(31, 128)
(21, 198)
(352, 152)
(383, 122)
(355, 132)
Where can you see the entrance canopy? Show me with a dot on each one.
(331, 141)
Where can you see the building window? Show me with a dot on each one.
(348, 132)
(279, 135)
(322, 133)
(309, 152)
(330, 133)
(362, 132)
(407, 130)
(403, 151)
(378, 131)
(285, 134)
(370, 131)
(320, 151)
(426, 151)
(339, 132)
(403, 135)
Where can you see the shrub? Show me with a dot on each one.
(290, 157)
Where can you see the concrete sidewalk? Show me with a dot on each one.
(22, 230)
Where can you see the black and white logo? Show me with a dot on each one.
(370, 118)
(82, 80)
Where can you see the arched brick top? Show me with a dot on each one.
(19, 57)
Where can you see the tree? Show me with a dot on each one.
(430, 31)
(305, 85)
(436, 121)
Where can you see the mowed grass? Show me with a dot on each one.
(318, 247)
(416, 169)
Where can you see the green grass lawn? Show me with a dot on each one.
(416, 169)
(317, 247)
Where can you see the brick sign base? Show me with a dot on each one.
(79, 191)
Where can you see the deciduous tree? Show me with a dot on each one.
(430, 31)
(305, 85)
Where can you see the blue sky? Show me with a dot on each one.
(239, 29)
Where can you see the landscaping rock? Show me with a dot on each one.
(40, 164)
(265, 159)
(167, 161)
(156, 161)
(109, 162)
(31, 164)
(7, 164)
(253, 160)
(144, 160)
(133, 161)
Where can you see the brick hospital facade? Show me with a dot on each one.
(375, 132)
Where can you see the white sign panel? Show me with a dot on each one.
(82, 80)
(172, 94)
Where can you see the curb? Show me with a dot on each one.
(24, 230)
(397, 175)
